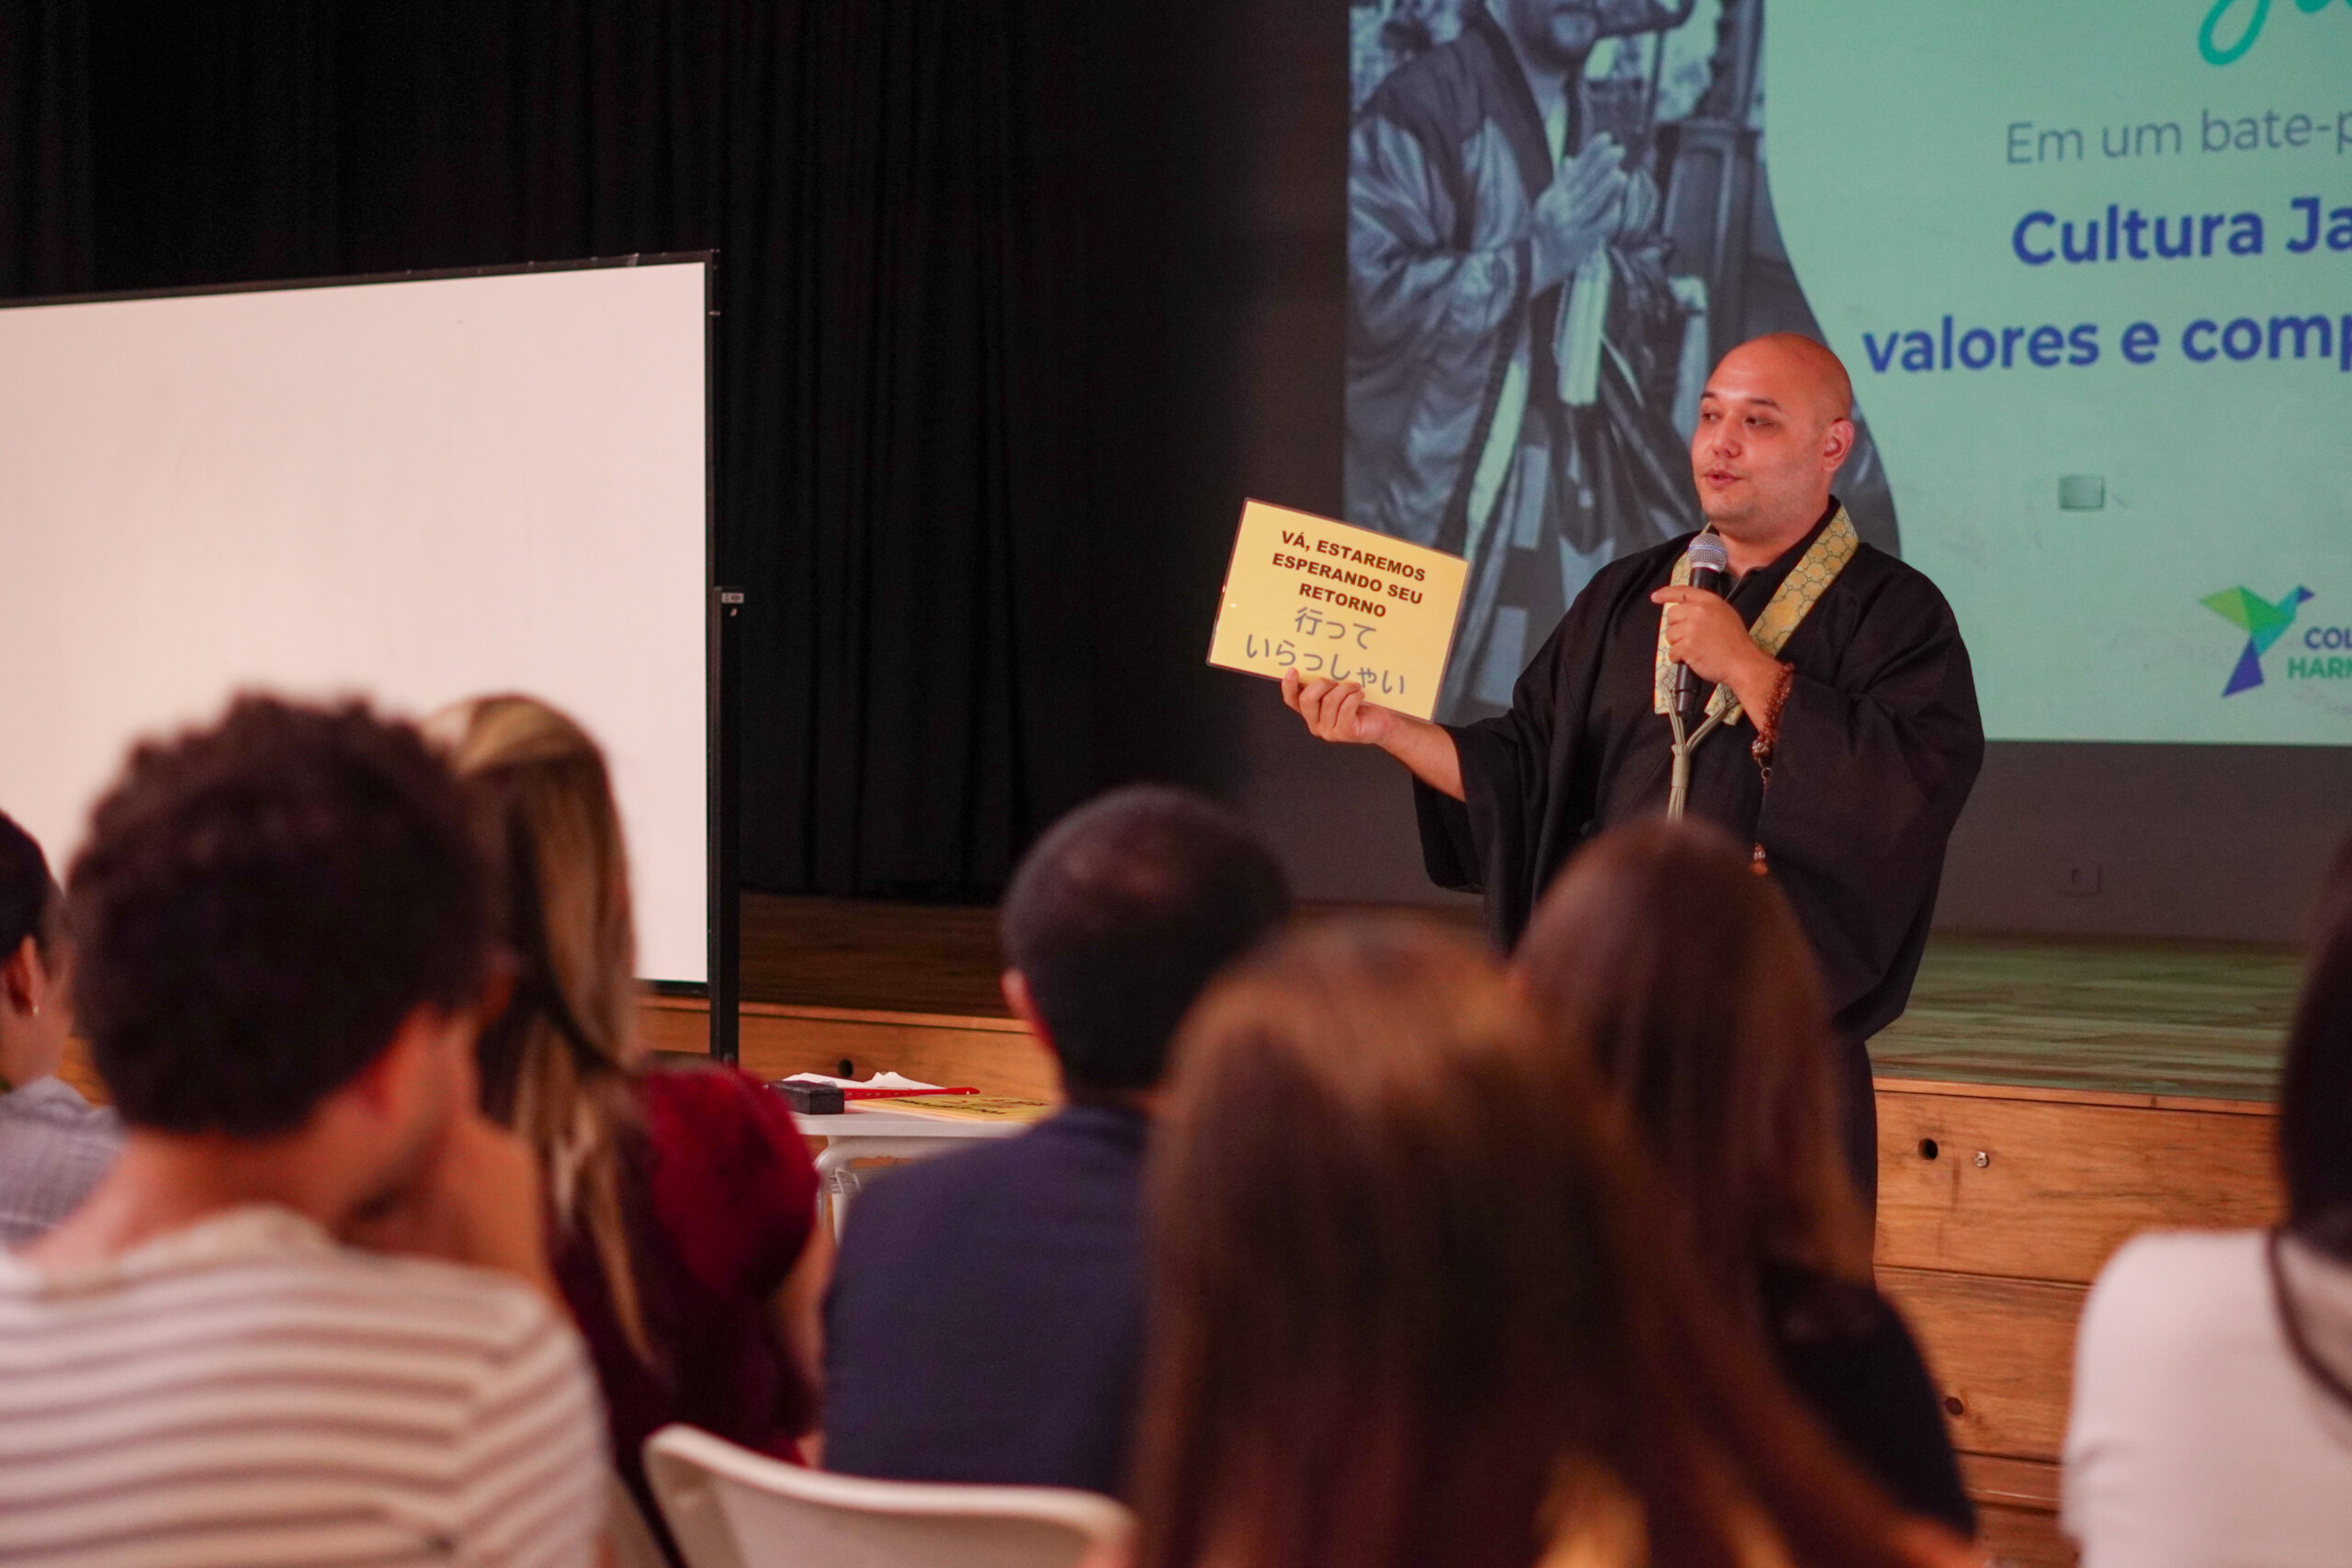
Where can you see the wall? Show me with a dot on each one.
(2219, 842)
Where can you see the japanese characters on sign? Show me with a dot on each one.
(1337, 603)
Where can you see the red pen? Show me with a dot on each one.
(899, 1093)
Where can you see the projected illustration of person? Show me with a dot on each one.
(1556, 221)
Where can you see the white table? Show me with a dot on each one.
(854, 1135)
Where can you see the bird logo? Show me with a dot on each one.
(2263, 623)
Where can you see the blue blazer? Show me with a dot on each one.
(986, 1318)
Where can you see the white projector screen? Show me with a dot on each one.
(417, 489)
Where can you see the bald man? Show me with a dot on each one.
(1849, 736)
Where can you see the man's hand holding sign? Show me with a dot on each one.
(1356, 625)
(1336, 710)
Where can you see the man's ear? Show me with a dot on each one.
(21, 977)
(401, 1072)
(1016, 985)
(1836, 444)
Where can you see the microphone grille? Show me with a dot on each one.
(1707, 554)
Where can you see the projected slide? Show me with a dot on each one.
(2088, 265)
(2094, 277)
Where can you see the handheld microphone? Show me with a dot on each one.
(1710, 570)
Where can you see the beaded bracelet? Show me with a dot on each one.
(1768, 723)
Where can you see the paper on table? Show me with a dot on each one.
(1339, 603)
(879, 1081)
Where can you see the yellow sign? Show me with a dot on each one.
(1337, 603)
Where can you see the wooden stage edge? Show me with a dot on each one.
(2041, 1101)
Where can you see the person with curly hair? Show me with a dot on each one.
(307, 1316)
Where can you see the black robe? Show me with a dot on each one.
(1880, 742)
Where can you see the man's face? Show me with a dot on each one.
(1558, 33)
(1766, 444)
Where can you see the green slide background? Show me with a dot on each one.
(1888, 135)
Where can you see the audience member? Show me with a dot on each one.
(2212, 1411)
(685, 1201)
(1411, 1306)
(53, 1143)
(279, 928)
(986, 1322)
(1666, 967)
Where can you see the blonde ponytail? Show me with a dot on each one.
(558, 1068)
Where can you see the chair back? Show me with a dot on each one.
(729, 1507)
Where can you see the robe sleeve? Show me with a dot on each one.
(1512, 772)
(1416, 288)
(1869, 775)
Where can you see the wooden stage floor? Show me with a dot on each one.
(2199, 1020)
(2203, 1019)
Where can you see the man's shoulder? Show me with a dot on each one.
(266, 1300)
(1000, 1186)
(401, 1393)
(496, 1311)
(267, 1277)
(939, 1191)
(492, 1310)
(1883, 577)
(52, 1138)
(1629, 572)
(1872, 571)
(53, 1102)
(1446, 90)
(986, 1174)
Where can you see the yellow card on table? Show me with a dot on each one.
(1339, 603)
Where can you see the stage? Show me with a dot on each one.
(2108, 1016)
(2042, 1100)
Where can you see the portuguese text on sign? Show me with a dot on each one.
(1337, 603)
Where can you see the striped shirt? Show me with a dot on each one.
(245, 1392)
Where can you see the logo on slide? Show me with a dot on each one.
(2263, 623)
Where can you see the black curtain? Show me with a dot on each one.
(45, 194)
(910, 200)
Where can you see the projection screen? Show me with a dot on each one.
(416, 488)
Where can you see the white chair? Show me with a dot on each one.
(730, 1507)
